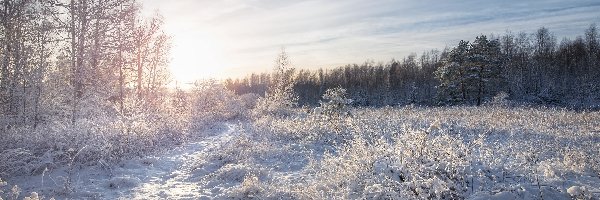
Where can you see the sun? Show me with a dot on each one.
(196, 57)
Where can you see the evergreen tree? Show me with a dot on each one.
(484, 67)
(452, 75)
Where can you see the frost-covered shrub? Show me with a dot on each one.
(577, 161)
(100, 137)
(579, 192)
(15, 192)
(213, 102)
(429, 153)
(17, 162)
(251, 188)
(404, 168)
(249, 100)
(335, 103)
(272, 105)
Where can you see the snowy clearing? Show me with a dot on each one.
(386, 153)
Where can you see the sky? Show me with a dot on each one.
(232, 38)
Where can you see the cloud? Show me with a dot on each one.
(325, 33)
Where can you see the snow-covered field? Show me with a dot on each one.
(383, 153)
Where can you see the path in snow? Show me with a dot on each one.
(162, 176)
(167, 175)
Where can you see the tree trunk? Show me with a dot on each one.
(139, 70)
(121, 75)
(480, 86)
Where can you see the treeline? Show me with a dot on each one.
(69, 59)
(529, 68)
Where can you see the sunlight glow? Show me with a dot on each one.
(198, 57)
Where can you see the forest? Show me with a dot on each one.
(525, 68)
(65, 60)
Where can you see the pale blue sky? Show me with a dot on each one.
(230, 38)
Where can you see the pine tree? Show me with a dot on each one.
(452, 75)
(471, 72)
(483, 66)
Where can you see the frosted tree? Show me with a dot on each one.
(147, 36)
(123, 46)
(280, 96)
(335, 103)
(26, 36)
(282, 90)
(92, 35)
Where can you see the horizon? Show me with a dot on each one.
(231, 39)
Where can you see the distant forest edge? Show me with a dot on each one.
(523, 68)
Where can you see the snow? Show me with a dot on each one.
(164, 176)
(388, 153)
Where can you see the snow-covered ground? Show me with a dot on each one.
(387, 153)
(162, 176)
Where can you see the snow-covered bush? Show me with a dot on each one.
(335, 103)
(404, 168)
(384, 153)
(213, 102)
(273, 104)
(103, 135)
(250, 188)
(2, 185)
(15, 192)
(249, 100)
(578, 192)
(430, 153)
